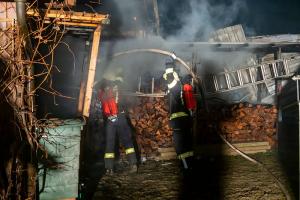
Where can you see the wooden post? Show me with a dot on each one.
(81, 98)
(91, 71)
(278, 54)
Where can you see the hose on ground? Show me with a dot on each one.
(281, 186)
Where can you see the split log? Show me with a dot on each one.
(149, 117)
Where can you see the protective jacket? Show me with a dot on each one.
(108, 101)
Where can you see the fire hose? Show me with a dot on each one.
(198, 81)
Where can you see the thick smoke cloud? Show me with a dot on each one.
(203, 17)
(198, 20)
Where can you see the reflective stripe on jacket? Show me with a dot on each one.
(178, 114)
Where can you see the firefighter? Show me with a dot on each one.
(182, 105)
(116, 124)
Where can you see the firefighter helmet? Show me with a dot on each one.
(169, 62)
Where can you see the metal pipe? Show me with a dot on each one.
(298, 95)
(297, 78)
(21, 19)
(152, 86)
(298, 100)
(298, 131)
(140, 83)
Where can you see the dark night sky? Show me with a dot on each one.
(262, 16)
(272, 16)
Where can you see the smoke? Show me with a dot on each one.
(130, 13)
(130, 66)
(198, 19)
(202, 17)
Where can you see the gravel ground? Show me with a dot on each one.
(230, 177)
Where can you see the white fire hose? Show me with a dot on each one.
(159, 51)
(197, 80)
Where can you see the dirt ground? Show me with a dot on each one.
(229, 177)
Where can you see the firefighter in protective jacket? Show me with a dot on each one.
(115, 124)
(182, 104)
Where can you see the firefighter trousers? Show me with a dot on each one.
(121, 129)
(183, 139)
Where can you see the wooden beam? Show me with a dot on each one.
(74, 24)
(91, 71)
(70, 2)
(69, 16)
(218, 149)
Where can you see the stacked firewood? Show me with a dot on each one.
(239, 123)
(250, 123)
(149, 117)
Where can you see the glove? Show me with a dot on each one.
(113, 118)
(191, 113)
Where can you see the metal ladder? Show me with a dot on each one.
(235, 79)
(244, 77)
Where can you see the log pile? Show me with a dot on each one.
(242, 123)
(149, 117)
(250, 123)
(239, 123)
